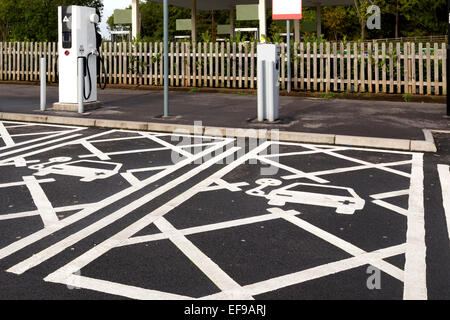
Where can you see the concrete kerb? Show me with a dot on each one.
(71, 121)
(117, 124)
(426, 145)
(382, 143)
(24, 117)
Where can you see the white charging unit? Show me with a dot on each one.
(77, 38)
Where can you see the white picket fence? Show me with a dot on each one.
(414, 68)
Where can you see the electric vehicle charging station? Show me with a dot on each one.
(77, 45)
(269, 64)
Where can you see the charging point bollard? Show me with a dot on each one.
(43, 84)
(268, 81)
(77, 37)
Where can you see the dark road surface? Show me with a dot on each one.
(108, 214)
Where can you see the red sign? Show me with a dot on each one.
(287, 9)
(67, 52)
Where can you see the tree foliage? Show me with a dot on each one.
(35, 20)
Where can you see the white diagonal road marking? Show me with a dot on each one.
(45, 208)
(444, 176)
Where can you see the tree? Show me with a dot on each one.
(35, 20)
(336, 21)
(423, 17)
(361, 9)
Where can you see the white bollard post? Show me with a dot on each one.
(288, 49)
(270, 94)
(261, 91)
(81, 69)
(43, 84)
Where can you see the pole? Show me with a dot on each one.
(232, 21)
(194, 21)
(262, 21)
(135, 16)
(166, 58)
(43, 84)
(448, 64)
(81, 70)
(288, 35)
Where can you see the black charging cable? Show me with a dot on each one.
(102, 84)
(88, 74)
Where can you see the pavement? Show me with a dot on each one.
(364, 123)
(92, 213)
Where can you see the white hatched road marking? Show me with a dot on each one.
(413, 276)
(44, 206)
(5, 136)
(444, 176)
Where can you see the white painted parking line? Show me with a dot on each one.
(169, 145)
(298, 173)
(132, 292)
(415, 287)
(44, 206)
(33, 213)
(37, 133)
(48, 135)
(314, 273)
(392, 194)
(116, 153)
(22, 183)
(444, 176)
(391, 207)
(124, 238)
(291, 208)
(222, 280)
(18, 215)
(61, 275)
(26, 241)
(343, 245)
(94, 227)
(95, 152)
(5, 136)
(34, 146)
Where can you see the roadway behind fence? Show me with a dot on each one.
(393, 67)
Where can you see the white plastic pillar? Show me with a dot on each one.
(262, 20)
(43, 84)
(135, 19)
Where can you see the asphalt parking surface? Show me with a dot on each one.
(367, 118)
(108, 214)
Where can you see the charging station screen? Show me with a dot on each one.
(66, 27)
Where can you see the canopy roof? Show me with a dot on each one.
(227, 4)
